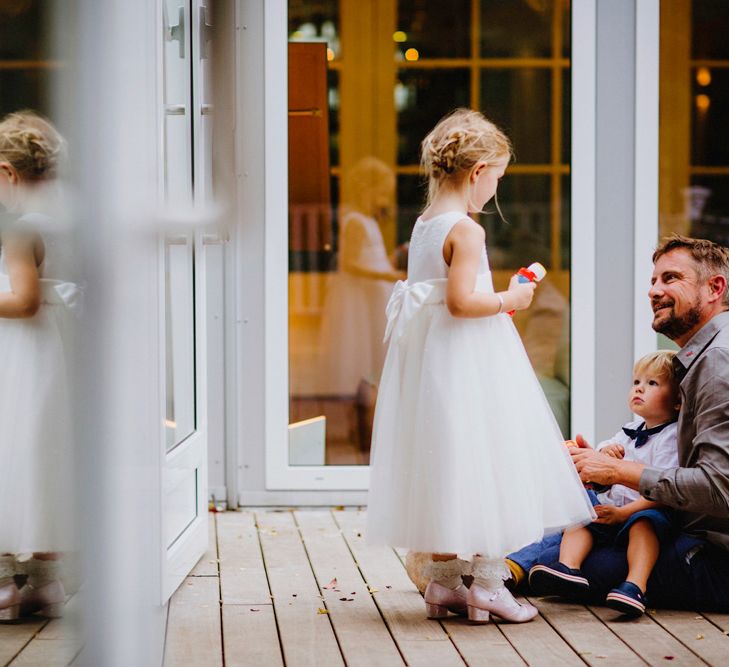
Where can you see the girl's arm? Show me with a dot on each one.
(355, 236)
(23, 299)
(462, 252)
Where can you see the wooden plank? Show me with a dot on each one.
(648, 639)
(696, 632)
(481, 645)
(14, 636)
(250, 636)
(363, 637)
(585, 633)
(721, 621)
(306, 634)
(420, 640)
(207, 566)
(242, 573)
(193, 625)
(47, 653)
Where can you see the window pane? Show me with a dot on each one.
(315, 21)
(436, 29)
(24, 31)
(518, 100)
(710, 26)
(424, 97)
(709, 113)
(516, 29)
(707, 199)
(411, 194)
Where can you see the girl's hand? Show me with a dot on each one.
(520, 294)
(609, 514)
(615, 450)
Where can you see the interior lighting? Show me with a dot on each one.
(412, 54)
(399, 36)
(330, 54)
(703, 76)
(703, 102)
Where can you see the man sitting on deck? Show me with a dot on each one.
(690, 301)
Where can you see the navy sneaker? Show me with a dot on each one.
(558, 579)
(627, 599)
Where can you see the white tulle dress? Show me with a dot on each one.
(36, 446)
(467, 456)
(353, 321)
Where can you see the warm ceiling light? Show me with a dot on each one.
(399, 36)
(412, 54)
(703, 102)
(703, 76)
(330, 54)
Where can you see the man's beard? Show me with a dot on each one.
(676, 326)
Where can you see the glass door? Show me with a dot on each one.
(184, 455)
(366, 81)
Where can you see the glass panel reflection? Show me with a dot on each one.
(518, 29)
(360, 223)
(519, 101)
(433, 28)
(422, 97)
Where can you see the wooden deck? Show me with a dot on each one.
(303, 588)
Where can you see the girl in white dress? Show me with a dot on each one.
(353, 320)
(37, 304)
(467, 456)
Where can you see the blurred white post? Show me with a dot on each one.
(110, 99)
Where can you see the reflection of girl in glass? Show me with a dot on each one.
(353, 321)
(467, 457)
(36, 318)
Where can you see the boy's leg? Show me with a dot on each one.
(576, 544)
(643, 550)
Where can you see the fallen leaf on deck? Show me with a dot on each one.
(293, 595)
(668, 657)
(699, 636)
(331, 584)
(599, 655)
(388, 586)
(373, 590)
(322, 611)
(342, 599)
(255, 610)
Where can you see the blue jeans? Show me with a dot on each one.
(690, 573)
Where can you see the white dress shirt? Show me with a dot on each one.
(661, 451)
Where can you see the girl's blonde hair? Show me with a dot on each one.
(660, 364)
(456, 144)
(31, 145)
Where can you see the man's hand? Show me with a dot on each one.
(609, 514)
(613, 449)
(595, 466)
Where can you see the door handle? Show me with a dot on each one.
(215, 239)
(176, 32)
(205, 30)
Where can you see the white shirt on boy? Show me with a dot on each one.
(660, 451)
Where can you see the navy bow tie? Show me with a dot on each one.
(641, 434)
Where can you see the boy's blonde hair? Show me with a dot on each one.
(456, 144)
(30, 144)
(660, 364)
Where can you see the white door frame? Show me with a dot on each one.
(279, 475)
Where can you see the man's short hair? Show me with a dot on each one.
(710, 258)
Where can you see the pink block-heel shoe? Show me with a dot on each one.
(47, 600)
(483, 603)
(9, 602)
(439, 600)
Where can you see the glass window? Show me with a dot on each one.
(518, 99)
(428, 93)
(435, 29)
(520, 29)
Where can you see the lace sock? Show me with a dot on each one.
(7, 569)
(41, 572)
(489, 574)
(447, 572)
